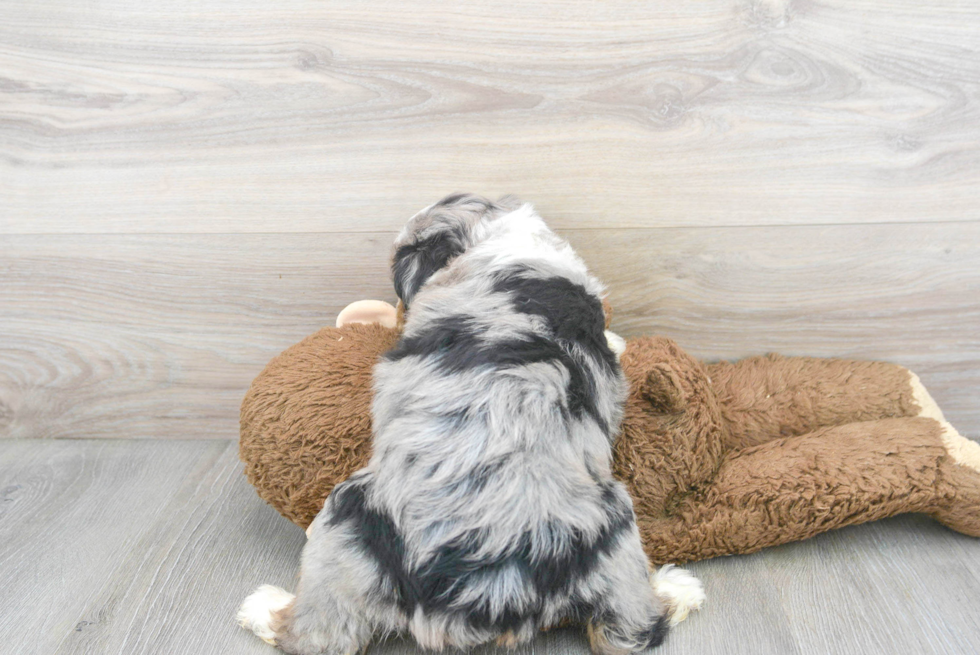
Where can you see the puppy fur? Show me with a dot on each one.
(488, 510)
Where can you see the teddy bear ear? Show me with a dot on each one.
(662, 388)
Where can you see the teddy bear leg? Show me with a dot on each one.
(769, 397)
(794, 488)
(959, 508)
(924, 403)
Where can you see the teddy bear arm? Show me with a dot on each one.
(794, 488)
(764, 398)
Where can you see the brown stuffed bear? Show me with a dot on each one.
(719, 458)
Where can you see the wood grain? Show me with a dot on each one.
(891, 573)
(71, 513)
(133, 547)
(247, 116)
(179, 587)
(160, 335)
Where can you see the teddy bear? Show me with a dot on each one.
(720, 458)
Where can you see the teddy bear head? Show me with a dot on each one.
(669, 442)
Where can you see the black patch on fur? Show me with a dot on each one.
(414, 263)
(439, 581)
(609, 498)
(655, 634)
(581, 610)
(571, 312)
(479, 617)
(374, 532)
(551, 572)
(451, 338)
(456, 344)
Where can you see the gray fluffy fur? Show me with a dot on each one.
(488, 509)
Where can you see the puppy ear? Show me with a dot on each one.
(662, 387)
(416, 261)
(435, 236)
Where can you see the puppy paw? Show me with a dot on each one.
(257, 610)
(679, 590)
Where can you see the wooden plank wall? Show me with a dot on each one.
(185, 190)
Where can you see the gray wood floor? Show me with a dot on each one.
(129, 547)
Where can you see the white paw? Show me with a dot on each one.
(680, 590)
(927, 406)
(963, 451)
(255, 613)
(616, 343)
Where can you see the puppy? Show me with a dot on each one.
(488, 510)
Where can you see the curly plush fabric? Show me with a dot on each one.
(719, 458)
(306, 419)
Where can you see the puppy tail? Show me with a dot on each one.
(260, 610)
(680, 591)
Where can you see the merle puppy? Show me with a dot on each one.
(488, 510)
